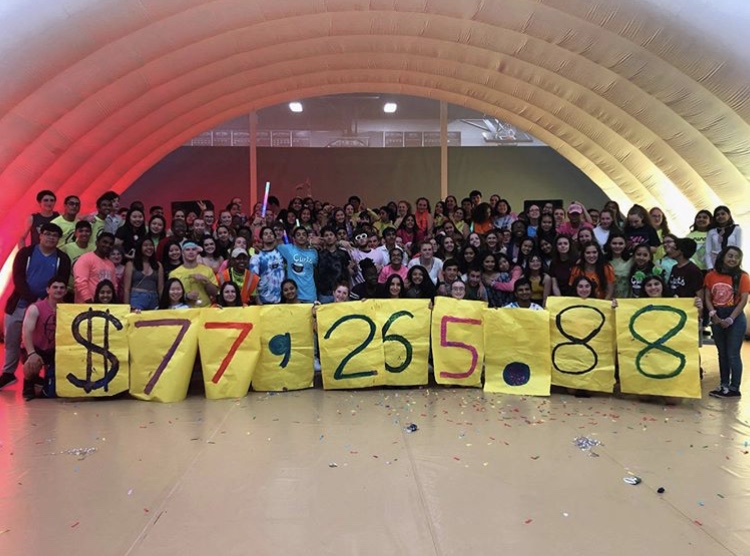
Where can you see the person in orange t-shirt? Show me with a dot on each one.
(593, 266)
(727, 287)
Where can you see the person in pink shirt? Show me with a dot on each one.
(396, 266)
(92, 268)
(577, 220)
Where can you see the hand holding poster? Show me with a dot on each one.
(657, 347)
(91, 354)
(458, 341)
(519, 362)
(583, 339)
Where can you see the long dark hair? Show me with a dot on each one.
(427, 288)
(165, 302)
(735, 273)
(599, 267)
(103, 284)
(386, 292)
(614, 234)
(725, 231)
(165, 262)
(138, 258)
(223, 302)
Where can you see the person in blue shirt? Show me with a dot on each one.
(301, 262)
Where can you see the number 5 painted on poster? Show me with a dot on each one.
(457, 342)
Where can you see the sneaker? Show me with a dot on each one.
(720, 392)
(7, 379)
(29, 392)
(732, 394)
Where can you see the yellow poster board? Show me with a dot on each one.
(91, 351)
(404, 325)
(163, 345)
(458, 341)
(583, 343)
(657, 347)
(229, 346)
(351, 347)
(286, 358)
(519, 362)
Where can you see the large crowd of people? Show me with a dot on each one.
(316, 252)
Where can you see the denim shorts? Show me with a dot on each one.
(143, 300)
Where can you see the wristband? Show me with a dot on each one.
(730, 320)
(712, 314)
(32, 353)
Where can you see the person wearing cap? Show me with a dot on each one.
(33, 268)
(238, 273)
(301, 264)
(198, 279)
(92, 268)
(577, 220)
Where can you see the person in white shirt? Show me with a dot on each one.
(428, 260)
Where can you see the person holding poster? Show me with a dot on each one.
(229, 296)
(39, 340)
(289, 292)
(173, 296)
(458, 289)
(727, 287)
(522, 292)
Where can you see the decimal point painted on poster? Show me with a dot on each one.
(281, 344)
(516, 374)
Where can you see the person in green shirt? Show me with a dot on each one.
(68, 219)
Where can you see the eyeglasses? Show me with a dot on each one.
(360, 236)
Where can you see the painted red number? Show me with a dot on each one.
(444, 342)
(244, 327)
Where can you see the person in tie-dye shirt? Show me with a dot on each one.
(269, 265)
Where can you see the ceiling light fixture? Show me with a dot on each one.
(390, 107)
(295, 107)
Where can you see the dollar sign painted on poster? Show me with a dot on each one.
(110, 363)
